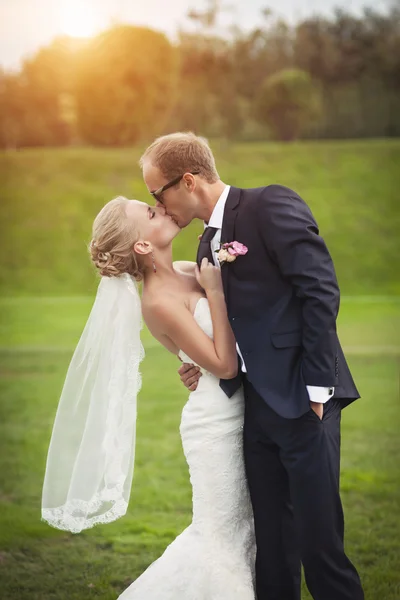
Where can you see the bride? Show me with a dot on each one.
(90, 461)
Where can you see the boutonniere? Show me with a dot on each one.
(230, 251)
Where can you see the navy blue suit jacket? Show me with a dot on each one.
(283, 300)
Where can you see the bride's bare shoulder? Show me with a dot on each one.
(158, 305)
(184, 266)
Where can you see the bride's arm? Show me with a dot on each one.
(177, 322)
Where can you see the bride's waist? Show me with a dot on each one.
(209, 401)
(210, 384)
(200, 424)
(208, 376)
(206, 379)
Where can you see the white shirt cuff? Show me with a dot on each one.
(320, 394)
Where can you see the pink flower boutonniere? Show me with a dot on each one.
(230, 251)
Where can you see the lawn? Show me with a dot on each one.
(41, 563)
(48, 199)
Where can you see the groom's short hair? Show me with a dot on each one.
(178, 153)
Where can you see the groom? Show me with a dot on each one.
(282, 299)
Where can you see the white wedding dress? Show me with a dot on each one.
(214, 558)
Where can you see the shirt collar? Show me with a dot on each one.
(217, 215)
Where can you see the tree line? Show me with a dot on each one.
(324, 77)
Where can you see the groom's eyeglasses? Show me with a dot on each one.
(158, 193)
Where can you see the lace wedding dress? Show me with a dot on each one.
(213, 559)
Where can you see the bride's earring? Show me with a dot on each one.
(154, 264)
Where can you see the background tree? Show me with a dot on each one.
(31, 100)
(125, 86)
(10, 111)
(287, 102)
(129, 82)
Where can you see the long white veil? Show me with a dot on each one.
(91, 456)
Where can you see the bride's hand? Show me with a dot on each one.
(209, 276)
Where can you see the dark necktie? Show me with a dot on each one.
(204, 249)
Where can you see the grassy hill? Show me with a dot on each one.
(49, 198)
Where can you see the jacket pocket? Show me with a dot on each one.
(287, 339)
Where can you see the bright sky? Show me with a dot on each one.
(25, 25)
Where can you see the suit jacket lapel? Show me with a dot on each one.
(228, 230)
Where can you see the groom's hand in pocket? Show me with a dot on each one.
(190, 375)
(318, 408)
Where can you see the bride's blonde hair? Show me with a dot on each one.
(113, 238)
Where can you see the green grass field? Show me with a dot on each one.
(38, 562)
(48, 201)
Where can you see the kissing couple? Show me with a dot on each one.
(253, 321)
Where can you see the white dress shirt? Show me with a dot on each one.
(316, 393)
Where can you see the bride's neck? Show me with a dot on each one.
(159, 268)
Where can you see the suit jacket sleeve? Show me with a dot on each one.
(292, 239)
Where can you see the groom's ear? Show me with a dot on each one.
(142, 248)
(190, 181)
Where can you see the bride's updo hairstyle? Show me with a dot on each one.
(113, 238)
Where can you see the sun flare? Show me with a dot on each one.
(78, 20)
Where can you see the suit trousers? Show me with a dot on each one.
(292, 467)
